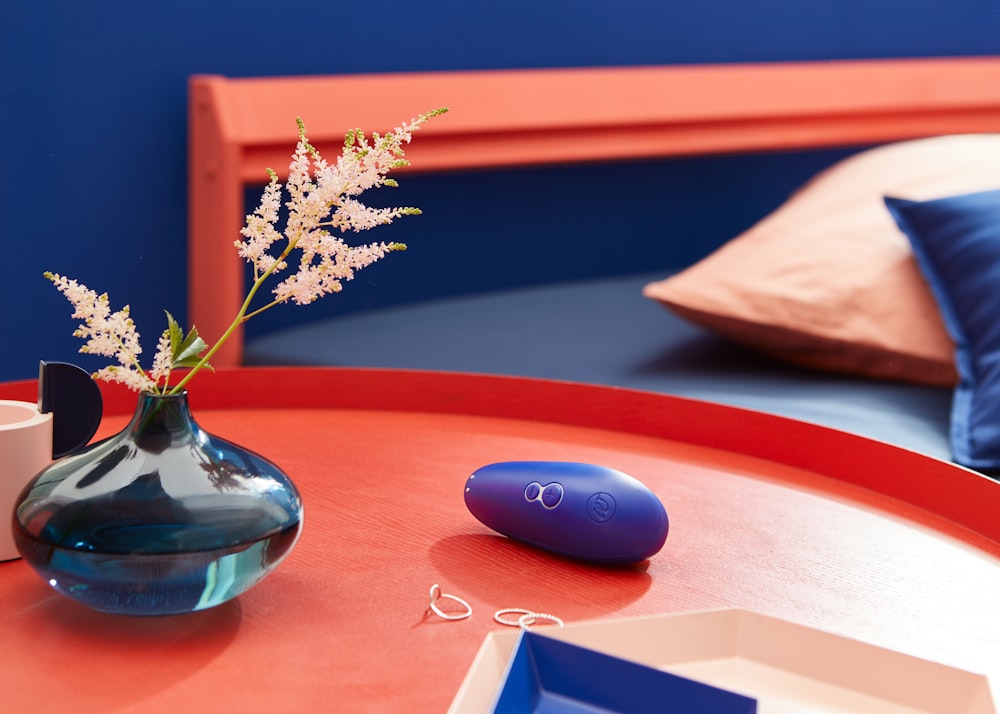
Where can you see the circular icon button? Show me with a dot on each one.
(552, 495)
(532, 491)
(601, 507)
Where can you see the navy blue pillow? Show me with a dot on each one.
(957, 244)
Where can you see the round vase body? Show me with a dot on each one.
(162, 518)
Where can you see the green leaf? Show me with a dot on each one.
(193, 346)
(185, 351)
(175, 332)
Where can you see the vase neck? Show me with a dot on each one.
(162, 416)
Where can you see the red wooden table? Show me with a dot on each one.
(788, 519)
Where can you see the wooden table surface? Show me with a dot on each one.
(784, 518)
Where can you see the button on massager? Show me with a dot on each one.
(552, 495)
(582, 511)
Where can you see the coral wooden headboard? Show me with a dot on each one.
(239, 127)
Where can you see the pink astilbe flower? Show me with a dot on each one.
(322, 205)
(107, 333)
(162, 362)
(312, 281)
(259, 231)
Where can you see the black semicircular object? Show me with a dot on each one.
(74, 399)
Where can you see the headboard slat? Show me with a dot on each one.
(502, 118)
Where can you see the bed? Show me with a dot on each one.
(838, 308)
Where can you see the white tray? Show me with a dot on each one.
(786, 667)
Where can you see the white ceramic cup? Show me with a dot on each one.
(25, 449)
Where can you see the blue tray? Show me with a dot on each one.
(546, 676)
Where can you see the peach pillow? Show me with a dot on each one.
(828, 280)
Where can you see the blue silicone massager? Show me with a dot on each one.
(583, 511)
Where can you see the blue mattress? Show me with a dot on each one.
(605, 332)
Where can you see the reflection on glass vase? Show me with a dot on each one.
(162, 518)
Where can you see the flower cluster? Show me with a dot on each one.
(322, 205)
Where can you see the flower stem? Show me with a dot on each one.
(241, 317)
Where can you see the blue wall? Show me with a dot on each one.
(93, 136)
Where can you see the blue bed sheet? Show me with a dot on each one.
(605, 332)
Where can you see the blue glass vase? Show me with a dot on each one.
(162, 518)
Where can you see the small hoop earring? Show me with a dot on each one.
(436, 595)
(527, 620)
(519, 611)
